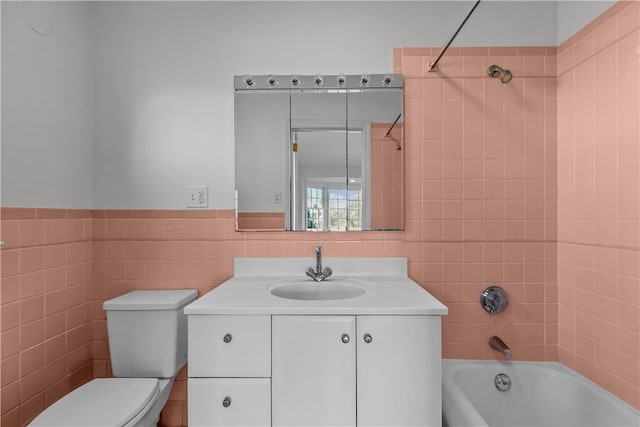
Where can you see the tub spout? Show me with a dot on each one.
(498, 345)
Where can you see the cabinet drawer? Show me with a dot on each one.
(229, 346)
(229, 402)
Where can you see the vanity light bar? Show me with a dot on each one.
(318, 81)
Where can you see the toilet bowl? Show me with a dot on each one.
(148, 344)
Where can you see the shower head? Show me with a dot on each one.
(496, 71)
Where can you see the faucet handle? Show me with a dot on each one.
(326, 273)
(311, 273)
(494, 300)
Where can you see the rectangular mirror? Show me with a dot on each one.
(319, 153)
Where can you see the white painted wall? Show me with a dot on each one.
(162, 102)
(575, 14)
(47, 105)
(164, 88)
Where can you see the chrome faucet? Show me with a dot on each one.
(498, 345)
(318, 274)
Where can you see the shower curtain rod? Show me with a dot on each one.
(433, 66)
(394, 123)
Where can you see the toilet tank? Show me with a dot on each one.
(148, 332)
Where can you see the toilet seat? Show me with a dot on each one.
(101, 402)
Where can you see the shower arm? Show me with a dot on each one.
(433, 66)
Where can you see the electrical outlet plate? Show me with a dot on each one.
(198, 197)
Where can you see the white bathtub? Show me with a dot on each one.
(541, 394)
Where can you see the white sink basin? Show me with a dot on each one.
(309, 290)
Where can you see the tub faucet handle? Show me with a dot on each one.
(494, 300)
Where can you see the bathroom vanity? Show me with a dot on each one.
(273, 347)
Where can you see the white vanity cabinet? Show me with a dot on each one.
(261, 354)
(356, 371)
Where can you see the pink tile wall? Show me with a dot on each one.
(46, 340)
(481, 193)
(599, 201)
(387, 209)
(261, 221)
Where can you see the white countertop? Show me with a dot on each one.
(389, 291)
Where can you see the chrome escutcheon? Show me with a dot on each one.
(494, 300)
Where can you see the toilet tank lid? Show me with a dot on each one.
(151, 300)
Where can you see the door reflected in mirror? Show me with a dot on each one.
(325, 198)
(321, 158)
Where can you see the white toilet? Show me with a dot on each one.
(148, 346)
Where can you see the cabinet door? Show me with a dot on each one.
(399, 371)
(229, 402)
(313, 371)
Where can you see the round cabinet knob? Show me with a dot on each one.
(345, 338)
(227, 338)
(368, 338)
(226, 402)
